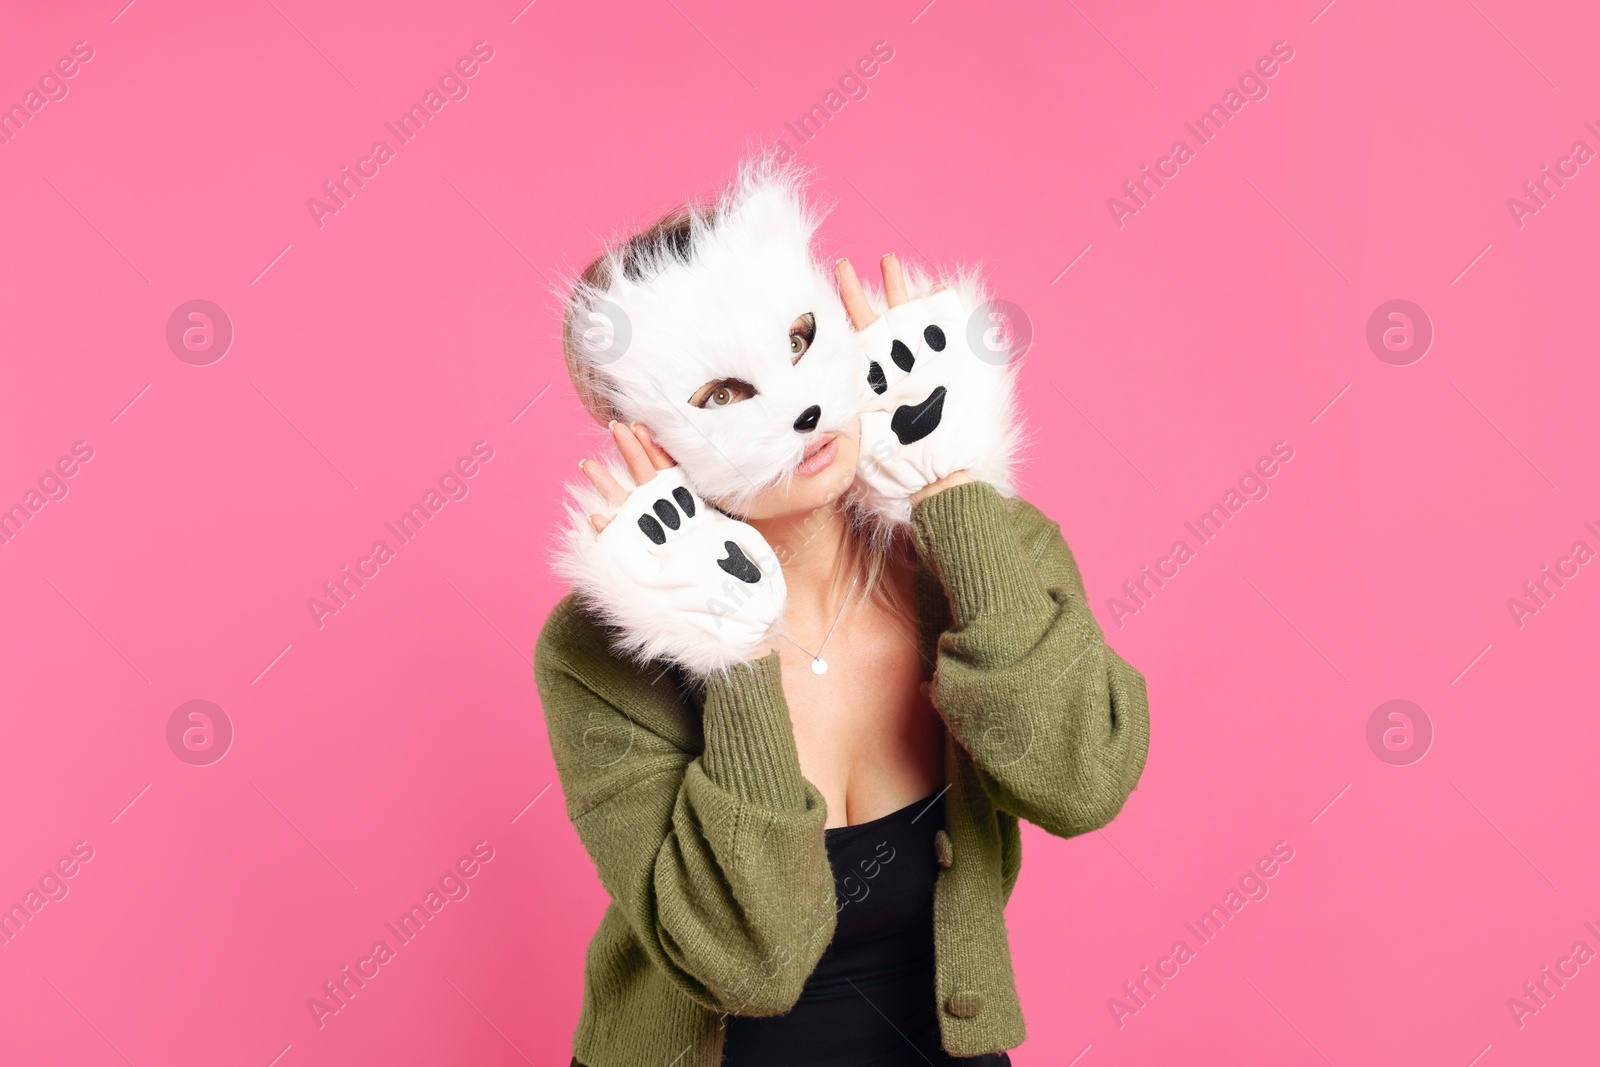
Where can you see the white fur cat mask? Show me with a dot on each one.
(717, 302)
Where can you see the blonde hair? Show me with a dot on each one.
(873, 546)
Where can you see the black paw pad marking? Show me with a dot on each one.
(902, 356)
(875, 379)
(935, 338)
(913, 422)
(738, 564)
(668, 514)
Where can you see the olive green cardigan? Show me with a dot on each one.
(710, 842)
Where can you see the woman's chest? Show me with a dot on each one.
(868, 738)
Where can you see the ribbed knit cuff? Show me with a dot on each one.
(750, 749)
(964, 534)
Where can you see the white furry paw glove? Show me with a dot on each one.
(678, 579)
(935, 406)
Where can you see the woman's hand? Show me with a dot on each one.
(958, 478)
(680, 579)
(642, 456)
(907, 480)
(855, 301)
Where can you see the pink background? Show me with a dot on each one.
(371, 353)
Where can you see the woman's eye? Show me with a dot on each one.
(721, 393)
(801, 334)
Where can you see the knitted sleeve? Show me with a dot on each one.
(716, 857)
(1056, 723)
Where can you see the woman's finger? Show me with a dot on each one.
(599, 522)
(855, 301)
(894, 281)
(658, 455)
(633, 453)
(602, 481)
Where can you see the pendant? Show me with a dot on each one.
(819, 666)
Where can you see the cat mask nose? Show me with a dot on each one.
(808, 419)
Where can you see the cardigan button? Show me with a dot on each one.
(942, 850)
(965, 1004)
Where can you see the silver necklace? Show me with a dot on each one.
(818, 664)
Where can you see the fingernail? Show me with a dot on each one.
(581, 466)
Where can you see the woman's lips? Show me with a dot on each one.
(818, 458)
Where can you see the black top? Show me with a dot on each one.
(871, 1001)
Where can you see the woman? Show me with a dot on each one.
(818, 661)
